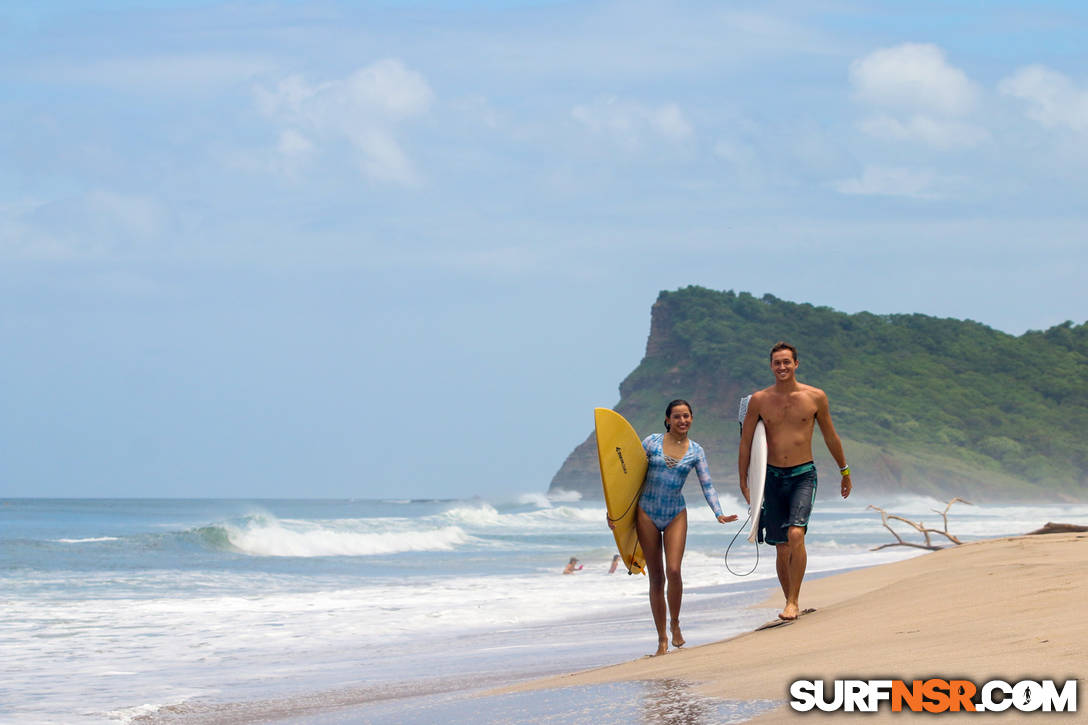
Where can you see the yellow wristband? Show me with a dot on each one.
(844, 471)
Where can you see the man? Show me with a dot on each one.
(790, 410)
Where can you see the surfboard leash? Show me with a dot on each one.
(621, 517)
(629, 571)
(726, 557)
(626, 510)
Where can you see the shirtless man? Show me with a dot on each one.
(790, 410)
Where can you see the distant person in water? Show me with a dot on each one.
(615, 563)
(790, 411)
(662, 516)
(572, 566)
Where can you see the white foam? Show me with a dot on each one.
(138, 713)
(571, 514)
(965, 521)
(564, 496)
(483, 514)
(264, 537)
(539, 500)
(701, 513)
(86, 541)
(486, 517)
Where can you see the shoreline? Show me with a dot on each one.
(994, 609)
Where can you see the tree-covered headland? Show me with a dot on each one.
(926, 405)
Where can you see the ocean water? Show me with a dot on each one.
(322, 611)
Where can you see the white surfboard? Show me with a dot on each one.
(757, 476)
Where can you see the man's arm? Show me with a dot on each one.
(831, 439)
(744, 455)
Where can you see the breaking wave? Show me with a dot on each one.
(268, 536)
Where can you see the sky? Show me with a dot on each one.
(402, 249)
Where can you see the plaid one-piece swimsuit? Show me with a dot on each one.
(662, 498)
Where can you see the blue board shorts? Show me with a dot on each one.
(787, 501)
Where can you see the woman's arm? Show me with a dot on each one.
(702, 470)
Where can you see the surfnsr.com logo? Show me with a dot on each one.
(933, 695)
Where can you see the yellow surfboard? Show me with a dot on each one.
(623, 467)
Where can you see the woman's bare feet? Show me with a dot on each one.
(662, 647)
(677, 638)
(790, 612)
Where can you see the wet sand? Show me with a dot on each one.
(1011, 609)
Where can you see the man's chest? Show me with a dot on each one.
(793, 410)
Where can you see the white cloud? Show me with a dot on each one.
(293, 144)
(159, 73)
(940, 133)
(892, 181)
(97, 223)
(382, 156)
(914, 77)
(631, 124)
(133, 216)
(1052, 98)
(748, 166)
(734, 152)
(669, 121)
(293, 153)
(923, 96)
(479, 109)
(363, 109)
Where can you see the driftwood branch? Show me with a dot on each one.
(885, 517)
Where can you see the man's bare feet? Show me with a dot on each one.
(677, 638)
(662, 647)
(790, 612)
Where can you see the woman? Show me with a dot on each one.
(662, 517)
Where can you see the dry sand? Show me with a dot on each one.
(1012, 609)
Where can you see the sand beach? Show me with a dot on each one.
(1011, 609)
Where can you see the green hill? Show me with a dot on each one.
(923, 404)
